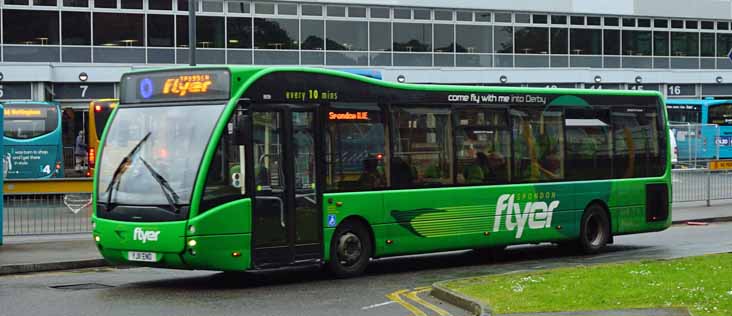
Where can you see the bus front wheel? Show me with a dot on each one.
(594, 230)
(350, 250)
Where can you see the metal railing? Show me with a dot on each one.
(692, 185)
(35, 214)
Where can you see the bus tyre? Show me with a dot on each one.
(350, 250)
(594, 230)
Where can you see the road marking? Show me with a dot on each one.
(395, 296)
(414, 296)
(377, 305)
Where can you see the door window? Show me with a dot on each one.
(303, 147)
(267, 151)
(269, 181)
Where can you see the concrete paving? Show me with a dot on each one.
(39, 255)
(698, 211)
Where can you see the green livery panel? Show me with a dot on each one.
(417, 221)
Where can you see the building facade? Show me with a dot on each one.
(72, 51)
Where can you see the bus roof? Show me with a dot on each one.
(244, 76)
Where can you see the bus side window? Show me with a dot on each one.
(637, 139)
(224, 179)
(355, 148)
(422, 148)
(589, 149)
(483, 143)
(538, 141)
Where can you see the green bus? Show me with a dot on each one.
(242, 168)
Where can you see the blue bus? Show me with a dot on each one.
(32, 139)
(700, 139)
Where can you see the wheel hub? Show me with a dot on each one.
(349, 249)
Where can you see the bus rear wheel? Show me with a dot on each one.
(350, 250)
(594, 230)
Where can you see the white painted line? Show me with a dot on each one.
(377, 305)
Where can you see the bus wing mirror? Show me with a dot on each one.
(241, 128)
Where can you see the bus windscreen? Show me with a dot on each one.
(720, 114)
(25, 121)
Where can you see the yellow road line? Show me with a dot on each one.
(395, 296)
(414, 296)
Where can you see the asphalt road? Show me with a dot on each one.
(144, 291)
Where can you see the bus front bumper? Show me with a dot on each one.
(165, 245)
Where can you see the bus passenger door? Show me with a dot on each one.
(269, 218)
(285, 219)
(307, 219)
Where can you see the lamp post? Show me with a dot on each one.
(192, 31)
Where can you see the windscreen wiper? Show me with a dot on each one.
(124, 166)
(170, 194)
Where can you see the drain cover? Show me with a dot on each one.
(82, 286)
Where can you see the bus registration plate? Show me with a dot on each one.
(142, 256)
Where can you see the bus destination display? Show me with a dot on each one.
(16, 112)
(176, 86)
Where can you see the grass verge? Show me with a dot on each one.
(702, 284)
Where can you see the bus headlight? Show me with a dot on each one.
(96, 238)
(192, 243)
